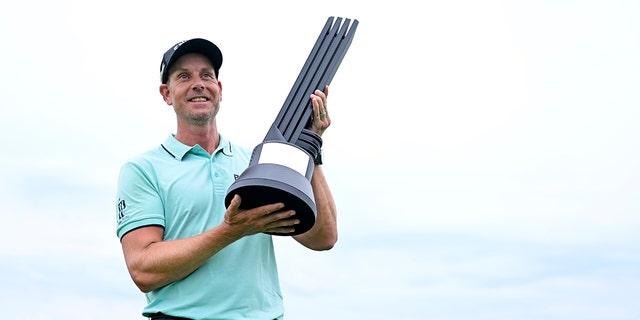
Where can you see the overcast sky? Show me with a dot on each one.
(484, 155)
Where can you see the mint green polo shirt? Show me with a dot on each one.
(182, 189)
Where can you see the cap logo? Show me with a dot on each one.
(178, 45)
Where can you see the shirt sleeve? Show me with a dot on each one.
(138, 201)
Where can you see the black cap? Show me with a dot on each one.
(203, 46)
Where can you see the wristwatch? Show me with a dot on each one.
(318, 159)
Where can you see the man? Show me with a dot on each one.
(194, 258)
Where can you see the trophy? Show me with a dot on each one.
(281, 167)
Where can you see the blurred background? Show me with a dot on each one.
(483, 154)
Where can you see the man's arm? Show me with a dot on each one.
(324, 233)
(154, 263)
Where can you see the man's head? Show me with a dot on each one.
(197, 45)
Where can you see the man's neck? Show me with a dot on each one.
(205, 136)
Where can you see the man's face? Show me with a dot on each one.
(193, 89)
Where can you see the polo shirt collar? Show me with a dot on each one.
(178, 149)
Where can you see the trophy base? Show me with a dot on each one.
(267, 183)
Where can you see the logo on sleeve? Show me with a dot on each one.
(121, 206)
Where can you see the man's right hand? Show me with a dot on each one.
(263, 219)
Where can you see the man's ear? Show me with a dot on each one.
(164, 91)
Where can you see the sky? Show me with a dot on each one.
(483, 155)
